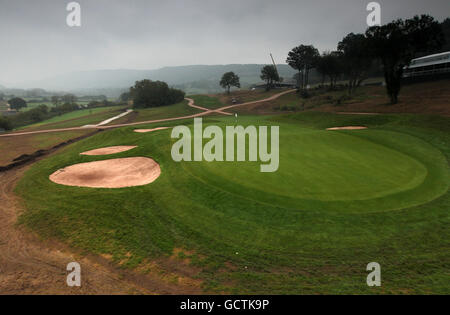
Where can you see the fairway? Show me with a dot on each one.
(339, 200)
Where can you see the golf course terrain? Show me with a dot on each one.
(339, 200)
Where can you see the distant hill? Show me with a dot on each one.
(192, 79)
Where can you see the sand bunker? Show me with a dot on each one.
(348, 128)
(116, 173)
(109, 150)
(150, 130)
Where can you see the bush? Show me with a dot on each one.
(341, 99)
(5, 123)
(65, 108)
(305, 94)
(34, 115)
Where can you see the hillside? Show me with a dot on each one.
(192, 79)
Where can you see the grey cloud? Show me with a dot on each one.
(36, 42)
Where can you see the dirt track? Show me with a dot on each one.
(29, 265)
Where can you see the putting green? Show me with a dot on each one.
(320, 167)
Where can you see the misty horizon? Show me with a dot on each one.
(148, 35)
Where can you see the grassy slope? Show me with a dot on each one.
(13, 147)
(220, 100)
(76, 118)
(48, 104)
(176, 110)
(247, 246)
(206, 101)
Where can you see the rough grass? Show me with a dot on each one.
(13, 147)
(76, 118)
(170, 111)
(206, 101)
(241, 229)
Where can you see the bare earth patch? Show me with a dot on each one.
(109, 150)
(115, 173)
(150, 130)
(348, 128)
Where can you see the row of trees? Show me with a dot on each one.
(65, 99)
(394, 45)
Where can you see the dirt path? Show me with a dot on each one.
(206, 111)
(109, 120)
(191, 103)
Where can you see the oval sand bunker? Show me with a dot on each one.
(109, 150)
(115, 173)
(348, 128)
(150, 130)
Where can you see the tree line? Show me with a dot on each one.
(392, 46)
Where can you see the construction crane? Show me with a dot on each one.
(274, 64)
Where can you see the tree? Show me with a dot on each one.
(147, 93)
(69, 98)
(55, 100)
(39, 113)
(445, 25)
(303, 58)
(125, 97)
(17, 103)
(269, 74)
(398, 42)
(5, 123)
(228, 80)
(330, 65)
(357, 59)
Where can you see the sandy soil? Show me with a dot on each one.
(115, 173)
(109, 150)
(150, 130)
(348, 128)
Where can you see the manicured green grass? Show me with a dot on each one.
(340, 200)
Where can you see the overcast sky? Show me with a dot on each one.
(36, 42)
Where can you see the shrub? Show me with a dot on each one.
(5, 123)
